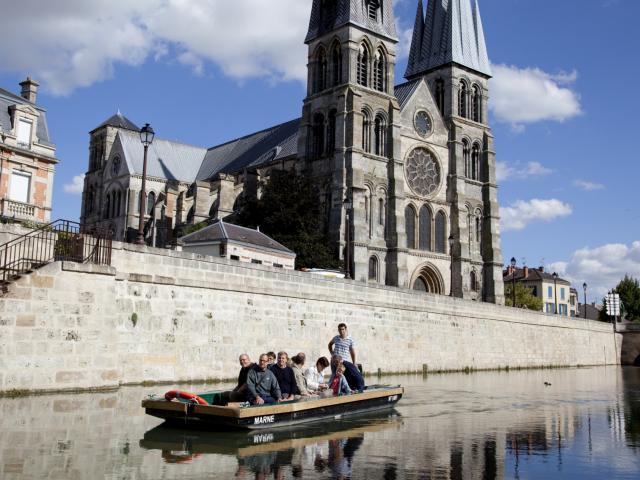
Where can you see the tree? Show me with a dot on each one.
(524, 297)
(629, 291)
(290, 212)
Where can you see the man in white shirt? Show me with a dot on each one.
(343, 345)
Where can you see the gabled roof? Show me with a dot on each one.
(8, 99)
(404, 91)
(119, 121)
(451, 32)
(533, 275)
(251, 150)
(324, 19)
(220, 231)
(165, 159)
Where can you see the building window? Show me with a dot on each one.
(380, 135)
(562, 309)
(318, 136)
(562, 294)
(440, 95)
(473, 281)
(476, 104)
(278, 265)
(321, 65)
(550, 292)
(466, 156)
(441, 233)
(20, 187)
(256, 262)
(410, 226)
(549, 307)
(373, 269)
(151, 200)
(475, 162)
(331, 133)
(381, 211)
(107, 207)
(380, 71)
(425, 228)
(478, 227)
(24, 133)
(234, 257)
(336, 64)
(462, 100)
(372, 8)
(366, 131)
(363, 66)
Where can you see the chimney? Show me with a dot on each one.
(29, 90)
(541, 269)
(525, 272)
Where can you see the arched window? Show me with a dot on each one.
(373, 268)
(380, 71)
(462, 100)
(441, 232)
(475, 162)
(321, 81)
(119, 209)
(466, 155)
(362, 71)
(336, 65)
(367, 211)
(331, 133)
(366, 131)
(107, 207)
(317, 139)
(151, 200)
(440, 95)
(380, 135)
(425, 228)
(478, 227)
(410, 226)
(381, 211)
(473, 281)
(476, 104)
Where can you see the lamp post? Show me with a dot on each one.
(451, 242)
(146, 137)
(555, 291)
(347, 234)
(584, 287)
(513, 282)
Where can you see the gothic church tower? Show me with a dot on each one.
(347, 130)
(449, 52)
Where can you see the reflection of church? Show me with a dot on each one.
(416, 159)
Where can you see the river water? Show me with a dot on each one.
(583, 423)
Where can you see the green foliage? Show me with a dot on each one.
(290, 212)
(629, 291)
(134, 319)
(187, 229)
(524, 297)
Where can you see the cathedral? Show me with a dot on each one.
(406, 171)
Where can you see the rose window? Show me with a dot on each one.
(422, 172)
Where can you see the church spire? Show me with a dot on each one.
(416, 40)
(373, 15)
(452, 33)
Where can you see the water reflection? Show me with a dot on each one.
(584, 424)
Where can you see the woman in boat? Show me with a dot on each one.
(338, 383)
(314, 376)
(284, 374)
(297, 363)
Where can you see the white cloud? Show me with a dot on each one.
(76, 185)
(521, 213)
(601, 267)
(75, 43)
(505, 171)
(588, 186)
(529, 95)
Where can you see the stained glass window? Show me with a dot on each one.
(422, 172)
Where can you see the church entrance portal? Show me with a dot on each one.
(428, 280)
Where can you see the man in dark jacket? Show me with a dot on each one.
(239, 393)
(351, 373)
(262, 386)
(285, 376)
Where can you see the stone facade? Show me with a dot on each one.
(415, 160)
(166, 316)
(27, 156)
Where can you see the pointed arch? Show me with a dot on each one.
(362, 69)
(373, 268)
(425, 228)
(321, 69)
(463, 91)
(439, 96)
(428, 279)
(107, 207)
(380, 135)
(475, 161)
(380, 71)
(441, 232)
(410, 225)
(476, 103)
(336, 64)
(331, 132)
(368, 207)
(119, 209)
(317, 136)
(473, 281)
(366, 130)
(466, 156)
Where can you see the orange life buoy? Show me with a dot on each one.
(171, 394)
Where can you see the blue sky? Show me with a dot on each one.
(564, 101)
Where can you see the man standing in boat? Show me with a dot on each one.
(343, 345)
(262, 385)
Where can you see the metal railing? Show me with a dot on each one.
(59, 240)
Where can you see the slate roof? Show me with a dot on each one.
(220, 231)
(120, 121)
(451, 32)
(404, 91)
(7, 99)
(352, 12)
(165, 159)
(278, 142)
(534, 274)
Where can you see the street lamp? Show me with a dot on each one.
(584, 287)
(146, 137)
(555, 291)
(451, 242)
(513, 281)
(347, 260)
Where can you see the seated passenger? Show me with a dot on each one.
(351, 373)
(262, 386)
(239, 393)
(272, 359)
(297, 364)
(314, 376)
(338, 383)
(284, 374)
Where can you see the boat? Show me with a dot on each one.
(207, 410)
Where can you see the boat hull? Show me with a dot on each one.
(272, 416)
